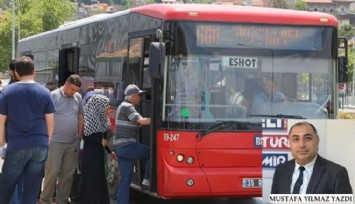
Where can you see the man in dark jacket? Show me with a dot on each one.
(309, 173)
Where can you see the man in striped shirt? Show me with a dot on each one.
(128, 122)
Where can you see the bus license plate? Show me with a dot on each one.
(252, 182)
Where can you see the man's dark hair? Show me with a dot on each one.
(304, 123)
(50, 83)
(12, 65)
(24, 66)
(74, 79)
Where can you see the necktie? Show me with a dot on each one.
(298, 184)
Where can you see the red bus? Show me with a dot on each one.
(203, 68)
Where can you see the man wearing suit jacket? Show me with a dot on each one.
(318, 175)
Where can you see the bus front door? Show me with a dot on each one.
(138, 73)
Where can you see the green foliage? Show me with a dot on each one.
(150, 2)
(5, 42)
(56, 13)
(279, 4)
(301, 5)
(34, 16)
(202, 1)
(346, 31)
(197, 1)
(127, 4)
(351, 56)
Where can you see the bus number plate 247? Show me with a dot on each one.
(171, 137)
(252, 182)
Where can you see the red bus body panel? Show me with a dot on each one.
(221, 161)
(236, 14)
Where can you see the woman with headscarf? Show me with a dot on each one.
(93, 186)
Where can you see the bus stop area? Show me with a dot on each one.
(346, 106)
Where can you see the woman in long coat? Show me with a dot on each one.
(93, 185)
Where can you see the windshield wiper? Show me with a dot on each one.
(279, 116)
(222, 125)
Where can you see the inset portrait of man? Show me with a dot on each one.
(309, 172)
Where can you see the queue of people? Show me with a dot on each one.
(41, 132)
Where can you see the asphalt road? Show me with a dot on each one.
(139, 198)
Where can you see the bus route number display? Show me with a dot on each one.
(258, 36)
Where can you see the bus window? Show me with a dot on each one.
(189, 92)
(296, 70)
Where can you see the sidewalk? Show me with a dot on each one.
(347, 104)
(347, 109)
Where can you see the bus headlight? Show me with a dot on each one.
(180, 158)
(190, 160)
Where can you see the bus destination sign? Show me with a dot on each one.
(258, 36)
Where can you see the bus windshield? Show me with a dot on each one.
(216, 71)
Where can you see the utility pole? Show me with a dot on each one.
(19, 21)
(353, 95)
(13, 30)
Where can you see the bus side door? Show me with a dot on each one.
(138, 73)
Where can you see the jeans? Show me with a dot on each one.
(17, 195)
(127, 154)
(28, 163)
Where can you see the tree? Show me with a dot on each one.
(351, 56)
(127, 4)
(197, 1)
(279, 4)
(346, 31)
(301, 5)
(34, 16)
(150, 2)
(5, 42)
(56, 13)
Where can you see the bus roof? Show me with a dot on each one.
(78, 23)
(231, 13)
(210, 12)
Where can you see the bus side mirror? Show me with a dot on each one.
(156, 59)
(342, 69)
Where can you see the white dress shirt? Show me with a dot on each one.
(307, 173)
